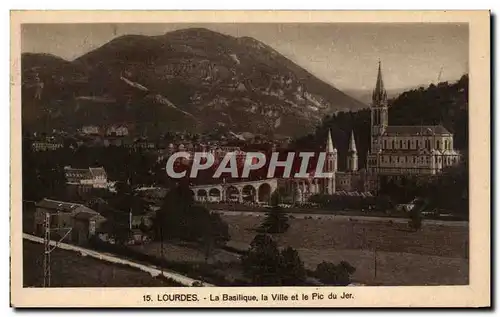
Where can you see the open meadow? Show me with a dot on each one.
(70, 269)
(384, 253)
(434, 255)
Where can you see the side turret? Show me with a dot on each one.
(352, 155)
(331, 166)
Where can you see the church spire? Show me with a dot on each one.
(352, 143)
(352, 155)
(379, 95)
(329, 143)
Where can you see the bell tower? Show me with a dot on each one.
(379, 112)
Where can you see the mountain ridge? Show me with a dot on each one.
(165, 82)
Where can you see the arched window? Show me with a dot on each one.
(385, 144)
(416, 144)
(437, 144)
(393, 144)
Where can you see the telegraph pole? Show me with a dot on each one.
(47, 249)
(46, 252)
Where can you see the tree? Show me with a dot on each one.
(117, 230)
(334, 274)
(180, 218)
(292, 270)
(171, 217)
(265, 265)
(262, 262)
(276, 220)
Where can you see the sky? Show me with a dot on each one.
(345, 55)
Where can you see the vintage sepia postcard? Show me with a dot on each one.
(250, 159)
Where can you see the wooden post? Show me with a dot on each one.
(161, 250)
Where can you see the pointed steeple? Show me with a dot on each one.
(352, 143)
(379, 93)
(380, 82)
(329, 143)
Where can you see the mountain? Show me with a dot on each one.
(191, 79)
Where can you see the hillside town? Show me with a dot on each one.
(99, 205)
(216, 155)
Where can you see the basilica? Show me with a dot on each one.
(406, 150)
(395, 151)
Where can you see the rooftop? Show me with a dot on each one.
(417, 130)
(58, 205)
(97, 171)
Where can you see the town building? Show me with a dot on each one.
(406, 150)
(119, 130)
(141, 143)
(46, 145)
(90, 130)
(92, 177)
(69, 221)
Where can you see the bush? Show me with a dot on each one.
(292, 271)
(415, 221)
(332, 274)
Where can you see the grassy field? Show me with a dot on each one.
(324, 233)
(70, 269)
(383, 253)
(435, 255)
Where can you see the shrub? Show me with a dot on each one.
(292, 271)
(334, 274)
